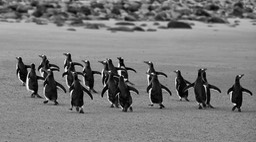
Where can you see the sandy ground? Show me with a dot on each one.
(226, 51)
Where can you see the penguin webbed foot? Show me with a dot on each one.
(200, 107)
(112, 106)
(81, 111)
(151, 105)
(162, 106)
(187, 99)
(131, 109)
(210, 106)
(56, 103)
(45, 102)
(77, 109)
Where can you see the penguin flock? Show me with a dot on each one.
(117, 85)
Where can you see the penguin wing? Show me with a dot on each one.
(214, 88)
(71, 88)
(96, 72)
(247, 91)
(230, 89)
(128, 68)
(165, 88)
(187, 87)
(78, 64)
(39, 77)
(65, 73)
(53, 65)
(88, 92)
(149, 87)
(161, 73)
(133, 89)
(80, 73)
(45, 82)
(104, 90)
(61, 86)
(187, 81)
(27, 66)
(117, 91)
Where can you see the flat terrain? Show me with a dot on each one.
(225, 51)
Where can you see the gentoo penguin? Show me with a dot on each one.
(68, 73)
(68, 60)
(124, 95)
(104, 72)
(45, 65)
(180, 84)
(124, 72)
(152, 69)
(77, 93)
(236, 93)
(111, 87)
(208, 91)
(89, 76)
(50, 88)
(21, 70)
(32, 82)
(200, 88)
(155, 90)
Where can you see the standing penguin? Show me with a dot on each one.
(104, 72)
(155, 91)
(77, 94)
(89, 76)
(200, 89)
(50, 88)
(32, 82)
(67, 61)
(68, 73)
(208, 91)
(151, 69)
(111, 87)
(124, 72)
(180, 84)
(45, 65)
(124, 95)
(21, 70)
(236, 93)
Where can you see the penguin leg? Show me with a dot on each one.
(112, 106)
(71, 107)
(239, 109)
(204, 105)
(199, 106)
(131, 110)
(33, 95)
(161, 106)
(77, 109)
(38, 96)
(55, 102)
(81, 110)
(186, 98)
(234, 108)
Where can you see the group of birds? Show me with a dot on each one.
(116, 84)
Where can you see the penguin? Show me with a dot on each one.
(68, 73)
(124, 72)
(45, 65)
(21, 70)
(89, 76)
(236, 93)
(32, 82)
(77, 93)
(50, 88)
(208, 91)
(200, 89)
(180, 84)
(68, 60)
(111, 87)
(155, 90)
(104, 74)
(124, 95)
(152, 69)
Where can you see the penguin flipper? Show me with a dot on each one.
(96, 72)
(61, 86)
(230, 89)
(133, 89)
(27, 66)
(247, 91)
(187, 87)
(88, 92)
(80, 73)
(104, 90)
(55, 69)
(65, 73)
(165, 88)
(214, 88)
(149, 87)
(39, 77)
(53, 65)
(187, 81)
(39, 67)
(71, 88)
(128, 68)
(78, 64)
(161, 73)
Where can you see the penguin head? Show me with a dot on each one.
(201, 71)
(68, 55)
(32, 66)
(19, 59)
(121, 60)
(238, 77)
(109, 61)
(177, 71)
(43, 57)
(86, 62)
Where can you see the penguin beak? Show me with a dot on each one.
(66, 54)
(17, 58)
(147, 62)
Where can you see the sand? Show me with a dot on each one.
(224, 50)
